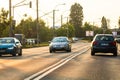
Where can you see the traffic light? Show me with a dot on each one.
(30, 4)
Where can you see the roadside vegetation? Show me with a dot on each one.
(73, 28)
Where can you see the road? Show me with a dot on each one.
(32, 61)
(83, 67)
(86, 67)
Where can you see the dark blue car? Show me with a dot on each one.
(104, 43)
(10, 45)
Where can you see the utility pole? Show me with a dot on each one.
(54, 18)
(61, 20)
(53, 23)
(37, 22)
(10, 19)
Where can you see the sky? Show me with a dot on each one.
(93, 10)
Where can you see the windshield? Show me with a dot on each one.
(59, 40)
(6, 40)
(104, 38)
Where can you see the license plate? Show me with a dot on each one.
(104, 44)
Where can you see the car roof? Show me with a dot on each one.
(7, 38)
(60, 37)
(104, 34)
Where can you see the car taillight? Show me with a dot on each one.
(95, 43)
(113, 43)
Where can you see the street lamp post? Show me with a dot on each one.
(10, 19)
(11, 33)
(37, 22)
(54, 23)
(19, 4)
(54, 18)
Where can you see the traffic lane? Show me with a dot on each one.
(18, 68)
(86, 67)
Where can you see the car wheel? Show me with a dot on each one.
(50, 50)
(20, 52)
(92, 53)
(115, 53)
(14, 52)
(54, 51)
(68, 50)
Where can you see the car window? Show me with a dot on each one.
(59, 40)
(104, 38)
(6, 40)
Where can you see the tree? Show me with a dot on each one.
(28, 28)
(4, 22)
(66, 30)
(76, 18)
(104, 24)
(88, 26)
(119, 22)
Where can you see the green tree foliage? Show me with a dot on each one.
(76, 18)
(4, 23)
(28, 28)
(97, 30)
(66, 30)
(119, 22)
(104, 23)
(88, 26)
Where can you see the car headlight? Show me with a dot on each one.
(11, 47)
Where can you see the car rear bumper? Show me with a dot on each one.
(104, 49)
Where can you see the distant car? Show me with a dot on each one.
(10, 45)
(74, 39)
(104, 43)
(59, 44)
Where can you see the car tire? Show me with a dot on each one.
(115, 53)
(54, 51)
(50, 51)
(68, 50)
(20, 53)
(92, 53)
(14, 52)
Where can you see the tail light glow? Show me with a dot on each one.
(95, 43)
(113, 43)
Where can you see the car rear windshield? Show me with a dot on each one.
(104, 38)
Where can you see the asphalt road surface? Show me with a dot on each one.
(32, 61)
(83, 67)
(86, 67)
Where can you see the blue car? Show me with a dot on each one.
(60, 44)
(10, 45)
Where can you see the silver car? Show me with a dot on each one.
(60, 44)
